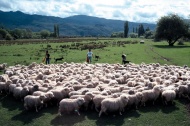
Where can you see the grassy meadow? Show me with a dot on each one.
(12, 111)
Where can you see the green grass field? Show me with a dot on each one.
(12, 112)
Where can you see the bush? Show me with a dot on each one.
(133, 35)
(8, 37)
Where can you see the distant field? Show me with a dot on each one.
(150, 52)
(12, 111)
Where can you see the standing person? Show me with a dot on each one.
(89, 56)
(123, 58)
(47, 57)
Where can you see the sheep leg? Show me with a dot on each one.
(36, 109)
(120, 113)
(77, 111)
(100, 113)
(96, 109)
(166, 102)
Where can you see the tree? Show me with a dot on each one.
(141, 30)
(126, 29)
(8, 37)
(3, 33)
(56, 30)
(171, 28)
(44, 33)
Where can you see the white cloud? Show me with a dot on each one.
(131, 10)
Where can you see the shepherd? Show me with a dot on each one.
(89, 56)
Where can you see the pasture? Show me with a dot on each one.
(12, 111)
(109, 50)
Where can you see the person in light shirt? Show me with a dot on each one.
(89, 56)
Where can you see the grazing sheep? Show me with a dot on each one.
(49, 95)
(184, 90)
(150, 95)
(134, 99)
(3, 66)
(70, 105)
(168, 96)
(4, 86)
(97, 101)
(59, 94)
(20, 92)
(87, 98)
(31, 101)
(114, 104)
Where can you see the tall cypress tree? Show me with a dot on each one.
(56, 30)
(126, 29)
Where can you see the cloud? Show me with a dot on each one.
(131, 10)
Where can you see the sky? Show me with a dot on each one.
(145, 11)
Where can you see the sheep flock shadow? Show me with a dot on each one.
(68, 119)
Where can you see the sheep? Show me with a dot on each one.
(82, 92)
(134, 99)
(59, 94)
(3, 66)
(97, 101)
(148, 95)
(31, 101)
(49, 95)
(184, 90)
(4, 78)
(87, 98)
(70, 105)
(168, 95)
(20, 92)
(4, 86)
(115, 89)
(114, 104)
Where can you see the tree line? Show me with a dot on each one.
(170, 28)
(18, 33)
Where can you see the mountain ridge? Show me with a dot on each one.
(80, 25)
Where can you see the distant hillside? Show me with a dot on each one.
(74, 25)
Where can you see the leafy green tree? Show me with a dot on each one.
(8, 37)
(44, 33)
(133, 35)
(171, 28)
(149, 34)
(17, 33)
(126, 29)
(3, 33)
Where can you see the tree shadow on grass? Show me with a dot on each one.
(171, 47)
(67, 119)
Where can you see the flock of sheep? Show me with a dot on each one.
(102, 87)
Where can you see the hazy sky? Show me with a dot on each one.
(132, 10)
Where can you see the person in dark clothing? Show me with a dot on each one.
(123, 58)
(47, 57)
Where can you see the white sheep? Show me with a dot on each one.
(3, 66)
(184, 90)
(31, 101)
(114, 104)
(48, 96)
(70, 105)
(168, 96)
(87, 98)
(59, 94)
(97, 101)
(20, 92)
(134, 99)
(150, 95)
